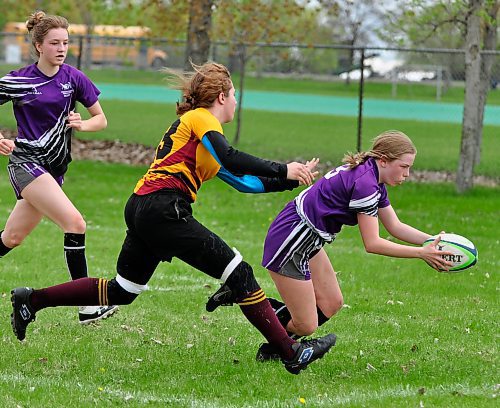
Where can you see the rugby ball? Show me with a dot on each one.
(464, 251)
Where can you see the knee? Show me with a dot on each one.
(333, 306)
(118, 295)
(75, 224)
(242, 281)
(338, 304)
(305, 328)
(12, 239)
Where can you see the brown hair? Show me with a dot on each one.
(202, 87)
(39, 25)
(390, 145)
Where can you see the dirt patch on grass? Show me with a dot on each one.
(134, 153)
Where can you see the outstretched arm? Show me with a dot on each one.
(400, 230)
(256, 184)
(369, 229)
(237, 162)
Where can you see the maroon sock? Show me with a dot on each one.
(80, 292)
(259, 312)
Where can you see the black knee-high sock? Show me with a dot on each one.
(284, 316)
(74, 252)
(3, 249)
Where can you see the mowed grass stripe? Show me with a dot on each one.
(463, 392)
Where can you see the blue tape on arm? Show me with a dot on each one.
(245, 183)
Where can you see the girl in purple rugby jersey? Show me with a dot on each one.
(44, 95)
(352, 194)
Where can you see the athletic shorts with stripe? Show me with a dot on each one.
(161, 226)
(289, 245)
(22, 174)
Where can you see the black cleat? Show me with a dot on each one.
(223, 297)
(267, 352)
(308, 351)
(22, 312)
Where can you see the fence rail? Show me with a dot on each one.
(326, 61)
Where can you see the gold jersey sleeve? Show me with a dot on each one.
(181, 161)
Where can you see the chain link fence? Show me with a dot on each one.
(439, 70)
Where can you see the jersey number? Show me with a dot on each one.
(336, 171)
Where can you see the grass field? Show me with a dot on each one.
(284, 136)
(264, 133)
(408, 335)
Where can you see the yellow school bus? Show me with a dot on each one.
(109, 44)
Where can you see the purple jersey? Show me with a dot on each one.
(41, 106)
(333, 201)
(338, 197)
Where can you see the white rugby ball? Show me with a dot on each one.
(464, 251)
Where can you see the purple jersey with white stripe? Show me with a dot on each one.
(338, 197)
(41, 106)
(333, 201)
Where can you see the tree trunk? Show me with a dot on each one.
(489, 43)
(198, 40)
(470, 122)
(243, 60)
(86, 58)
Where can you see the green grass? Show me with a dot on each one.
(286, 136)
(432, 338)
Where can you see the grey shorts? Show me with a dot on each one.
(297, 266)
(21, 174)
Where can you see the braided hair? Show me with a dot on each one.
(389, 145)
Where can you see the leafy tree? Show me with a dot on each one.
(167, 18)
(471, 24)
(243, 23)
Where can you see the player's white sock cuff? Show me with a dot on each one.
(130, 286)
(231, 266)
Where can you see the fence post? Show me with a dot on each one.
(360, 104)
(439, 83)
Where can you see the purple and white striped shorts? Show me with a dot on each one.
(21, 174)
(289, 245)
